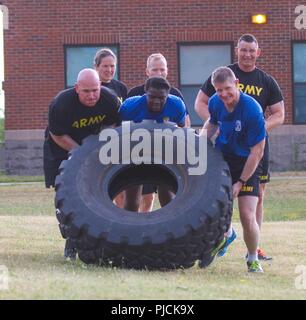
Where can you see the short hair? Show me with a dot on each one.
(86, 74)
(103, 53)
(247, 38)
(221, 75)
(155, 56)
(157, 83)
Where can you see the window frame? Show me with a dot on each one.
(293, 42)
(90, 45)
(200, 43)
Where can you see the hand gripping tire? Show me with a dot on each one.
(185, 230)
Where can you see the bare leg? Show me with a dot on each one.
(119, 200)
(247, 209)
(146, 204)
(259, 208)
(165, 195)
(132, 198)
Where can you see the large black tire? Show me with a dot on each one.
(185, 230)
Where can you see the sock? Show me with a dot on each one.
(229, 232)
(252, 257)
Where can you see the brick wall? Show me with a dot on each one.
(34, 54)
(38, 31)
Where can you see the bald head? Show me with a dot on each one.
(88, 75)
(88, 87)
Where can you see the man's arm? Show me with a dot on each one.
(201, 105)
(250, 166)
(210, 128)
(64, 141)
(277, 116)
(181, 121)
(187, 121)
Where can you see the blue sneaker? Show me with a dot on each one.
(209, 258)
(229, 240)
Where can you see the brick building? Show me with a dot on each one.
(48, 41)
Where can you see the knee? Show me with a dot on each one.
(248, 221)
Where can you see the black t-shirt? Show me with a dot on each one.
(118, 87)
(140, 90)
(68, 116)
(258, 84)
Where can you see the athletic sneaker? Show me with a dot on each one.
(207, 261)
(262, 255)
(254, 266)
(229, 240)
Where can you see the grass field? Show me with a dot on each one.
(11, 178)
(31, 248)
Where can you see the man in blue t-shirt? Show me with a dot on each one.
(156, 104)
(157, 66)
(239, 120)
(265, 90)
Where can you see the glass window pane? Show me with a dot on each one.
(299, 62)
(78, 58)
(197, 62)
(189, 94)
(300, 103)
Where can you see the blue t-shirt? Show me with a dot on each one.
(240, 129)
(136, 109)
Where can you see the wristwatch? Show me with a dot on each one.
(242, 181)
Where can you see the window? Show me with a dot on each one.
(299, 82)
(80, 57)
(196, 63)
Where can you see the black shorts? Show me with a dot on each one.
(51, 166)
(149, 188)
(263, 166)
(236, 164)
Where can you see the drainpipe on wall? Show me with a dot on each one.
(4, 25)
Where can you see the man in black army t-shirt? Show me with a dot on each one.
(265, 90)
(74, 114)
